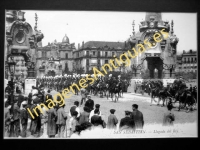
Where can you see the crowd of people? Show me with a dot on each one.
(52, 123)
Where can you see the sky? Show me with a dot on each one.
(113, 26)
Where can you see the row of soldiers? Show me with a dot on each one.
(58, 83)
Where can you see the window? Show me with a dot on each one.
(192, 60)
(185, 60)
(87, 53)
(93, 53)
(66, 55)
(99, 54)
(98, 61)
(43, 54)
(113, 53)
(106, 54)
(87, 61)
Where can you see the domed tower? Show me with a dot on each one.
(65, 39)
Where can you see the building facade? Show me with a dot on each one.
(97, 53)
(20, 45)
(161, 57)
(55, 59)
(187, 61)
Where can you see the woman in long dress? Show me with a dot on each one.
(44, 119)
(51, 123)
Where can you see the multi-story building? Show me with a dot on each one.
(56, 58)
(97, 53)
(187, 61)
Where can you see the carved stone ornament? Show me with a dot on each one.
(9, 39)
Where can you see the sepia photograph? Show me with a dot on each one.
(100, 74)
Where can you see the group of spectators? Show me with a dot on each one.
(52, 123)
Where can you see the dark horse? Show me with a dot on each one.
(115, 89)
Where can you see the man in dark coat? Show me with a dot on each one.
(20, 98)
(137, 116)
(61, 121)
(16, 118)
(127, 123)
(89, 103)
(35, 126)
(84, 117)
(96, 119)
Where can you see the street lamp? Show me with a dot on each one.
(11, 67)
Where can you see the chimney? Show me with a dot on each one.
(78, 46)
(183, 51)
(125, 44)
(83, 44)
(190, 51)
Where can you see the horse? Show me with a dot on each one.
(185, 98)
(154, 91)
(114, 89)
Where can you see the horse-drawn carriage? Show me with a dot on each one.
(176, 92)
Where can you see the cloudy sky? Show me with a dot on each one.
(107, 26)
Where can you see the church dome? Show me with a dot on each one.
(65, 39)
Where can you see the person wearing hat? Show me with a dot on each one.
(83, 95)
(127, 123)
(8, 88)
(96, 119)
(20, 98)
(8, 120)
(75, 108)
(137, 116)
(168, 116)
(24, 118)
(89, 103)
(16, 118)
(36, 121)
(97, 106)
(48, 95)
(51, 121)
(61, 121)
(112, 120)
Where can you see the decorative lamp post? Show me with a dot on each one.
(11, 67)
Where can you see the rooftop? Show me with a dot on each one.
(98, 44)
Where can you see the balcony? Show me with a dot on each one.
(93, 64)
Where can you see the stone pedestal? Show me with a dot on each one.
(31, 73)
